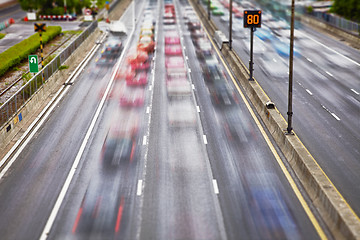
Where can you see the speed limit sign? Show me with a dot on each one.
(252, 18)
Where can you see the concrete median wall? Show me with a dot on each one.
(351, 39)
(339, 217)
(30, 110)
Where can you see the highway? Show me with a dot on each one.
(160, 148)
(326, 101)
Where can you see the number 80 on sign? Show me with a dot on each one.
(252, 18)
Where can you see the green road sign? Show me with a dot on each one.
(33, 63)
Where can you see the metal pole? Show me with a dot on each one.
(209, 1)
(251, 63)
(230, 26)
(42, 57)
(290, 112)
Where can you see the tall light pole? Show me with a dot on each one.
(290, 112)
(230, 26)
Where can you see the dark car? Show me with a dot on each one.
(117, 151)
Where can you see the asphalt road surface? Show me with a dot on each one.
(189, 162)
(325, 92)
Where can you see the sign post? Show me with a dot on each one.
(33, 63)
(41, 27)
(252, 20)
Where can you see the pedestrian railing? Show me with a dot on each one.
(10, 108)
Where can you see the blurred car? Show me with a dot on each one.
(146, 32)
(105, 61)
(219, 11)
(117, 27)
(124, 73)
(117, 150)
(110, 52)
(196, 34)
(140, 79)
(172, 39)
(146, 44)
(178, 88)
(140, 66)
(112, 49)
(137, 56)
(132, 97)
(204, 49)
(173, 50)
(222, 94)
(193, 24)
(181, 115)
(263, 33)
(169, 21)
(272, 216)
(272, 66)
(213, 73)
(174, 62)
(175, 73)
(283, 49)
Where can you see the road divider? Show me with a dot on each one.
(341, 220)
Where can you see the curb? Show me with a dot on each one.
(335, 211)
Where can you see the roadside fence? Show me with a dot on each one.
(11, 107)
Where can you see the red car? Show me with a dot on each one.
(174, 62)
(140, 66)
(140, 79)
(132, 97)
(173, 50)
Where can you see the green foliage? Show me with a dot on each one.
(309, 9)
(63, 67)
(26, 77)
(14, 55)
(349, 9)
(56, 7)
(48, 59)
(2, 35)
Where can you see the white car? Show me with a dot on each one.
(117, 27)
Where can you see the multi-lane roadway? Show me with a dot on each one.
(326, 101)
(161, 145)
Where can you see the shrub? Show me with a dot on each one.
(63, 67)
(14, 55)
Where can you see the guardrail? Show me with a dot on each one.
(9, 109)
(338, 22)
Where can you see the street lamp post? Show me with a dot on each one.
(290, 111)
(230, 26)
(208, 7)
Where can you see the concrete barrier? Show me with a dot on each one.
(352, 39)
(337, 214)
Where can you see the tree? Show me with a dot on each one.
(349, 9)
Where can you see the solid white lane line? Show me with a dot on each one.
(215, 185)
(193, 86)
(139, 188)
(144, 140)
(65, 187)
(35, 125)
(205, 139)
(355, 91)
(328, 73)
(309, 92)
(333, 50)
(336, 117)
(198, 109)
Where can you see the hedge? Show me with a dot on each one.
(14, 55)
